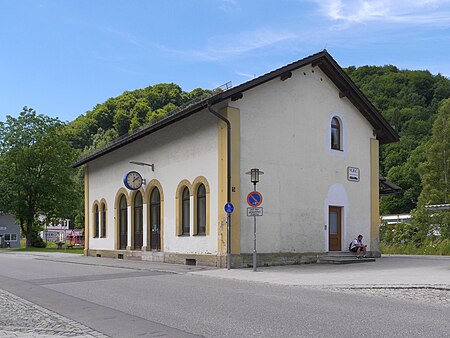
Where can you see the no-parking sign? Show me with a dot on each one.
(254, 199)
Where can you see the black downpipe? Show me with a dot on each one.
(228, 180)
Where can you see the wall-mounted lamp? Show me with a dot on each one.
(144, 164)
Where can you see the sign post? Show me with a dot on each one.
(254, 199)
(229, 208)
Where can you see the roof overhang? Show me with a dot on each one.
(389, 188)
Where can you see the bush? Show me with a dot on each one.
(430, 247)
(37, 241)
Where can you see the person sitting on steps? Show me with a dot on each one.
(358, 246)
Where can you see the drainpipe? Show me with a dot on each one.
(228, 180)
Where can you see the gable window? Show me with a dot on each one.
(336, 134)
(185, 212)
(201, 210)
(96, 221)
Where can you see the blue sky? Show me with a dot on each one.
(63, 57)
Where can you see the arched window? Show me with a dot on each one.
(96, 221)
(155, 220)
(123, 226)
(103, 220)
(185, 212)
(336, 142)
(138, 222)
(201, 210)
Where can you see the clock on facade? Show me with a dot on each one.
(132, 180)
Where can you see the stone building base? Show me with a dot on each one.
(243, 260)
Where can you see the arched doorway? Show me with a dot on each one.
(138, 227)
(123, 226)
(155, 220)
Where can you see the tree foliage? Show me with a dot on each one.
(409, 100)
(35, 174)
(127, 112)
(435, 171)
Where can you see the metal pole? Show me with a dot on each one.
(254, 243)
(254, 236)
(228, 242)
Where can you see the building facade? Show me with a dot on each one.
(9, 232)
(306, 125)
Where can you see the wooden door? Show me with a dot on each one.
(334, 228)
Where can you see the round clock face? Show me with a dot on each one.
(133, 180)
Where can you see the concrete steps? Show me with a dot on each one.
(342, 257)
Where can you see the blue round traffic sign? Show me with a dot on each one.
(254, 199)
(229, 208)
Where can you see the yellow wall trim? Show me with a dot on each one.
(201, 180)
(184, 183)
(374, 196)
(150, 186)
(120, 192)
(233, 115)
(103, 207)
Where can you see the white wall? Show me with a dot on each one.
(285, 132)
(184, 150)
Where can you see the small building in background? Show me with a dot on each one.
(397, 219)
(56, 232)
(9, 232)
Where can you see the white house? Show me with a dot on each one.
(306, 125)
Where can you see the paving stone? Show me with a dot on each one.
(437, 295)
(21, 318)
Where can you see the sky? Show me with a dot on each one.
(62, 57)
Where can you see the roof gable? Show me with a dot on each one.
(383, 131)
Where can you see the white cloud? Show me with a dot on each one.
(228, 47)
(423, 12)
(249, 76)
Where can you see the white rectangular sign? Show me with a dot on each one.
(251, 212)
(3, 228)
(353, 174)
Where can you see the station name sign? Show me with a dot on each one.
(353, 174)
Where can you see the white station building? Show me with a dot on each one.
(159, 194)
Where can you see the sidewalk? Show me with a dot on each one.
(389, 270)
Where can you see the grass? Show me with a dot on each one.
(51, 247)
(439, 247)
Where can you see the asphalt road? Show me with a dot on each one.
(139, 299)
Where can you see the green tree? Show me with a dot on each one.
(35, 174)
(435, 172)
(409, 101)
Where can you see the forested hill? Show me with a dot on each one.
(124, 113)
(409, 100)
